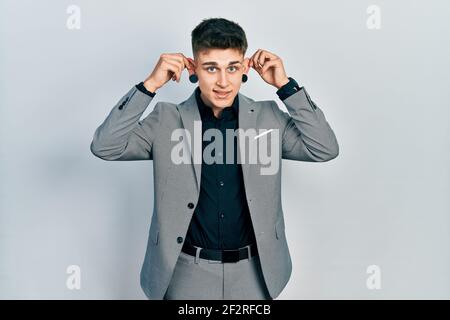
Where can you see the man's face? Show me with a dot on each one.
(220, 70)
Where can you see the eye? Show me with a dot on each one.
(232, 69)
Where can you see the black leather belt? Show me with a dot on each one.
(221, 255)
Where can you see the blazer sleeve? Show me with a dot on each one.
(122, 136)
(306, 136)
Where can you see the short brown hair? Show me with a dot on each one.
(218, 33)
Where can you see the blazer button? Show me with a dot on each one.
(190, 205)
(180, 239)
(120, 107)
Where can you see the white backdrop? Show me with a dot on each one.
(383, 202)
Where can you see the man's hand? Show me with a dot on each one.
(270, 67)
(169, 66)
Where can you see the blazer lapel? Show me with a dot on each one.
(247, 120)
(189, 113)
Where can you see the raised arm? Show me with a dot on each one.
(122, 136)
(307, 135)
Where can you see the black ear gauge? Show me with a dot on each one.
(193, 78)
(244, 78)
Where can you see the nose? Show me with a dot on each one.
(222, 81)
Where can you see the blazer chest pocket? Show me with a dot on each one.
(279, 228)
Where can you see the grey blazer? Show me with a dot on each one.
(304, 135)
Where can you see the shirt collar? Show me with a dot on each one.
(229, 112)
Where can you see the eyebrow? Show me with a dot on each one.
(213, 63)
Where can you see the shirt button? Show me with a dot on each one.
(221, 183)
(180, 239)
(222, 215)
(190, 205)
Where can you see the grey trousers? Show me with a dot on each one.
(195, 278)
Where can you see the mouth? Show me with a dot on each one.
(222, 94)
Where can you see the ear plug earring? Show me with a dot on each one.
(193, 78)
(244, 78)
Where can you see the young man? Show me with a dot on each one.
(217, 229)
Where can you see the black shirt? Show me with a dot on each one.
(221, 219)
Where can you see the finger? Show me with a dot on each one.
(263, 57)
(174, 68)
(175, 56)
(258, 65)
(177, 59)
(185, 63)
(180, 65)
(182, 59)
(266, 56)
(169, 67)
(269, 64)
(254, 61)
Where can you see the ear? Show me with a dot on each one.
(193, 65)
(246, 64)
